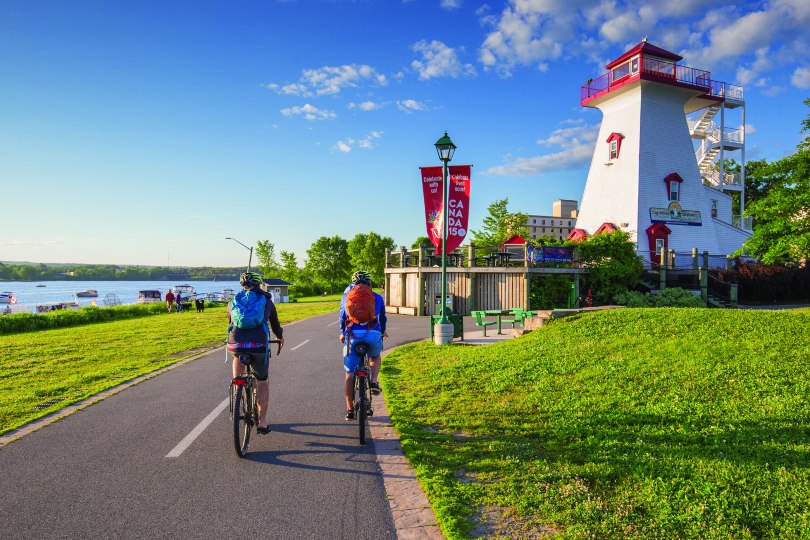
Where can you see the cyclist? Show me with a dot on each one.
(253, 341)
(372, 333)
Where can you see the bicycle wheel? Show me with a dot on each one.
(241, 421)
(361, 409)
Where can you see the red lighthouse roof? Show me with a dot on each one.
(646, 48)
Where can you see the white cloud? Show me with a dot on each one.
(801, 77)
(451, 4)
(366, 143)
(773, 91)
(330, 80)
(750, 129)
(371, 106)
(439, 60)
(410, 105)
(577, 145)
(309, 112)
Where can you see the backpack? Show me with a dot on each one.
(361, 305)
(247, 310)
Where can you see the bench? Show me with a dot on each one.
(479, 315)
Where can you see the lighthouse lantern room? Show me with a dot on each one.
(646, 174)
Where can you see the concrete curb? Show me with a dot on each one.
(413, 517)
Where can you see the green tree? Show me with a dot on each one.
(612, 262)
(328, 260)
(500, 225)
(28, 273)
(422, 240)
(266, 255)
(782, 216)
(367, 251)
(289, 267)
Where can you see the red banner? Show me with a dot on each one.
(459, 204)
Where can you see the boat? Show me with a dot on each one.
(215, 297)
(149, 297)
(112, 300)
(188, 292)
(56, 306)
(6, 298)
(228, 294)
(89, 293)
(40, 285)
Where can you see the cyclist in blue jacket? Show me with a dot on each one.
(361, 332)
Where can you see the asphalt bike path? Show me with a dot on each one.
(143, 463)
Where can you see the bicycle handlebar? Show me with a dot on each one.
(278, 351)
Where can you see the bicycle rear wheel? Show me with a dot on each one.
(361, 408)
(241, 421)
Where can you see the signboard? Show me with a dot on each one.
(458, 204)
(674, 215)
(541, 254)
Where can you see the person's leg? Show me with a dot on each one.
(238, 368)
(376, 364)
(262, 398)
(348, 387)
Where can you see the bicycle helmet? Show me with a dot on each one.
(250, 279)
(361, 276)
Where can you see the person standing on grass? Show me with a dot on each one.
(169, 300)
(178, 301)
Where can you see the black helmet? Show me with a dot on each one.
(250, 279)
(361, 276)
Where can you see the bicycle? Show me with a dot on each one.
(362, 390)
(243, 405)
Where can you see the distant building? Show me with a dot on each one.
(278, 288)
(558, 225)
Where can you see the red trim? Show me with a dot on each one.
(516, 239)
(577, 235)
(618, 138)
(674, 177)
(606, 227)
(644, 76)
(657, 231)
(647, 48)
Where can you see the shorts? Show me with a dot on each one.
(351, 360)
(257, 360)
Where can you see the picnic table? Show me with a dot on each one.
(499, 314)
(453, 259)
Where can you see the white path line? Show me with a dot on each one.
(333, 324)
(304, 343)
(185, 443)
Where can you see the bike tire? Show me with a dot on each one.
(361, 409)
(241, 421)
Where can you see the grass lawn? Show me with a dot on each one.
(77, 362)
(648, 423)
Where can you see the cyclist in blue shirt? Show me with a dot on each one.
(361, 332)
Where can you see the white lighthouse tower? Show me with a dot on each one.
(645, 174)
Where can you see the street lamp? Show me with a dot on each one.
(250, 259)
(445, 148)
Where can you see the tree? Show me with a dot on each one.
(367, 252)
(328, 260)
(266, 255)
(500, 225)
(782, 227)
(758, 181)
(289, 267)
(423, 241)
(612, 262)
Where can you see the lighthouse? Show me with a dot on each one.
(646, 175)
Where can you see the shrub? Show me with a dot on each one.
(549, 292)
(612, 262)
(25, 322)
(768, 284)
(670, 297)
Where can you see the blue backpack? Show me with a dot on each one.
(247, 310)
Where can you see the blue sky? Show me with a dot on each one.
(139, 132)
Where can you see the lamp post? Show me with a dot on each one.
(445, 148)
(250, 259)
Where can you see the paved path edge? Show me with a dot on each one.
(413, 516)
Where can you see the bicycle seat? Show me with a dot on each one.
(361, 348)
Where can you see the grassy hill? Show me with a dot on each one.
(649, 423)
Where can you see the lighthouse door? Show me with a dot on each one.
(658, 235)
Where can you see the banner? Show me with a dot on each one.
(458, 206)
(432, 187)
(540, 254)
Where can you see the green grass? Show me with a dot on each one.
(648, 423)
(75, 363)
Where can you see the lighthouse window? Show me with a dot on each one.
(634, 65)
(674, 188)
(614, 149)
(621, 71)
